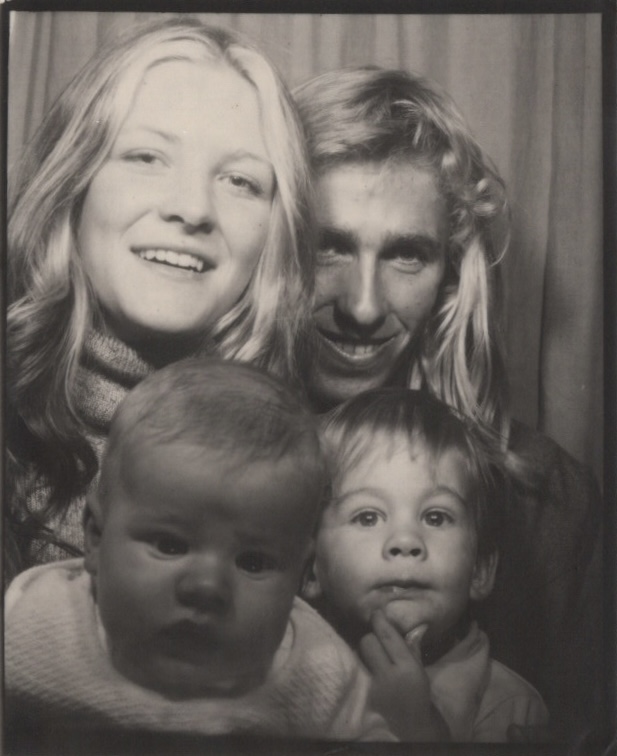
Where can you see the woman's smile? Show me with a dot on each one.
(168, 257)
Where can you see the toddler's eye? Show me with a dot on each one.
(366, 519)
(436, 518)
(254, 562)
(170, 545)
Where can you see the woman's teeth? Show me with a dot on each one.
(176, 259)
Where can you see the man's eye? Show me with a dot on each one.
(366, 519)
(410, 257)
(170, 545)
(436, 518)
(255, 562)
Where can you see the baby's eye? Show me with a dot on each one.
(366, 519)
(436, 518)
(170, 545)
(255, 562)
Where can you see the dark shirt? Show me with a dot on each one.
(545, 617)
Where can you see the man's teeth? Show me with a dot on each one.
(356, 350)
(169, 257)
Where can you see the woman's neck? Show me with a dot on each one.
(157, 349)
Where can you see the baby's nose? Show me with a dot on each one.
(205, 586)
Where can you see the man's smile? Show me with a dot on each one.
(354, 351)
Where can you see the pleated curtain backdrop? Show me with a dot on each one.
(529, 86)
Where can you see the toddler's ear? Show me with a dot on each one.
(310, 589)
(483, 577)
(92, 533)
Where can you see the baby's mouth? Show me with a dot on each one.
(190, 639)
(173, 259)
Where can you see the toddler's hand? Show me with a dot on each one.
(400, 690)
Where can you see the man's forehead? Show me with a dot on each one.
(392, 198)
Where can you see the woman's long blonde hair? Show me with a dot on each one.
(51, 304)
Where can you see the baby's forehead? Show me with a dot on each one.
(200, 478)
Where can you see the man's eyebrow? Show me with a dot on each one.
(330, 236)
(427, 243)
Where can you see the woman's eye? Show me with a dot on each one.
(366, 519)
(170, 545)
(255, 562)
(142, 157)
(436, 518)
(244, 184)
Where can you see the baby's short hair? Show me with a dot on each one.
(348, 434)
(220, 404)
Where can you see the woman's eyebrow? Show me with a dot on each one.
(242, 154)
(135, 130)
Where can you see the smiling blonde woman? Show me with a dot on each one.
(160, 211)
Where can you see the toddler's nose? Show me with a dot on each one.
(405, 542)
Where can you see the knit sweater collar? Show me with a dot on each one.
(109, 369)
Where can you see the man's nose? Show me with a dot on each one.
(405, 540)
(189, 200)
(205, 585)
(362, 300)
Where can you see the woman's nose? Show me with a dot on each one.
(204, 585)
(189, 201)
(361, 299)
(405, 541)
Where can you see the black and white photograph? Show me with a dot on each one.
(309, 363)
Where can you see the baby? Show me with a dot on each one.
(183, 615)
(406, 546)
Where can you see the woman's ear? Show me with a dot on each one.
(92, 533)
(483, 578)
(311, 589)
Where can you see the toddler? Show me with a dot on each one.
(183, 615)
(406, 546)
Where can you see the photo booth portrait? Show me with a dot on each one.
(501, 117)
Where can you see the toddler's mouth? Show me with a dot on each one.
(407, 589)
